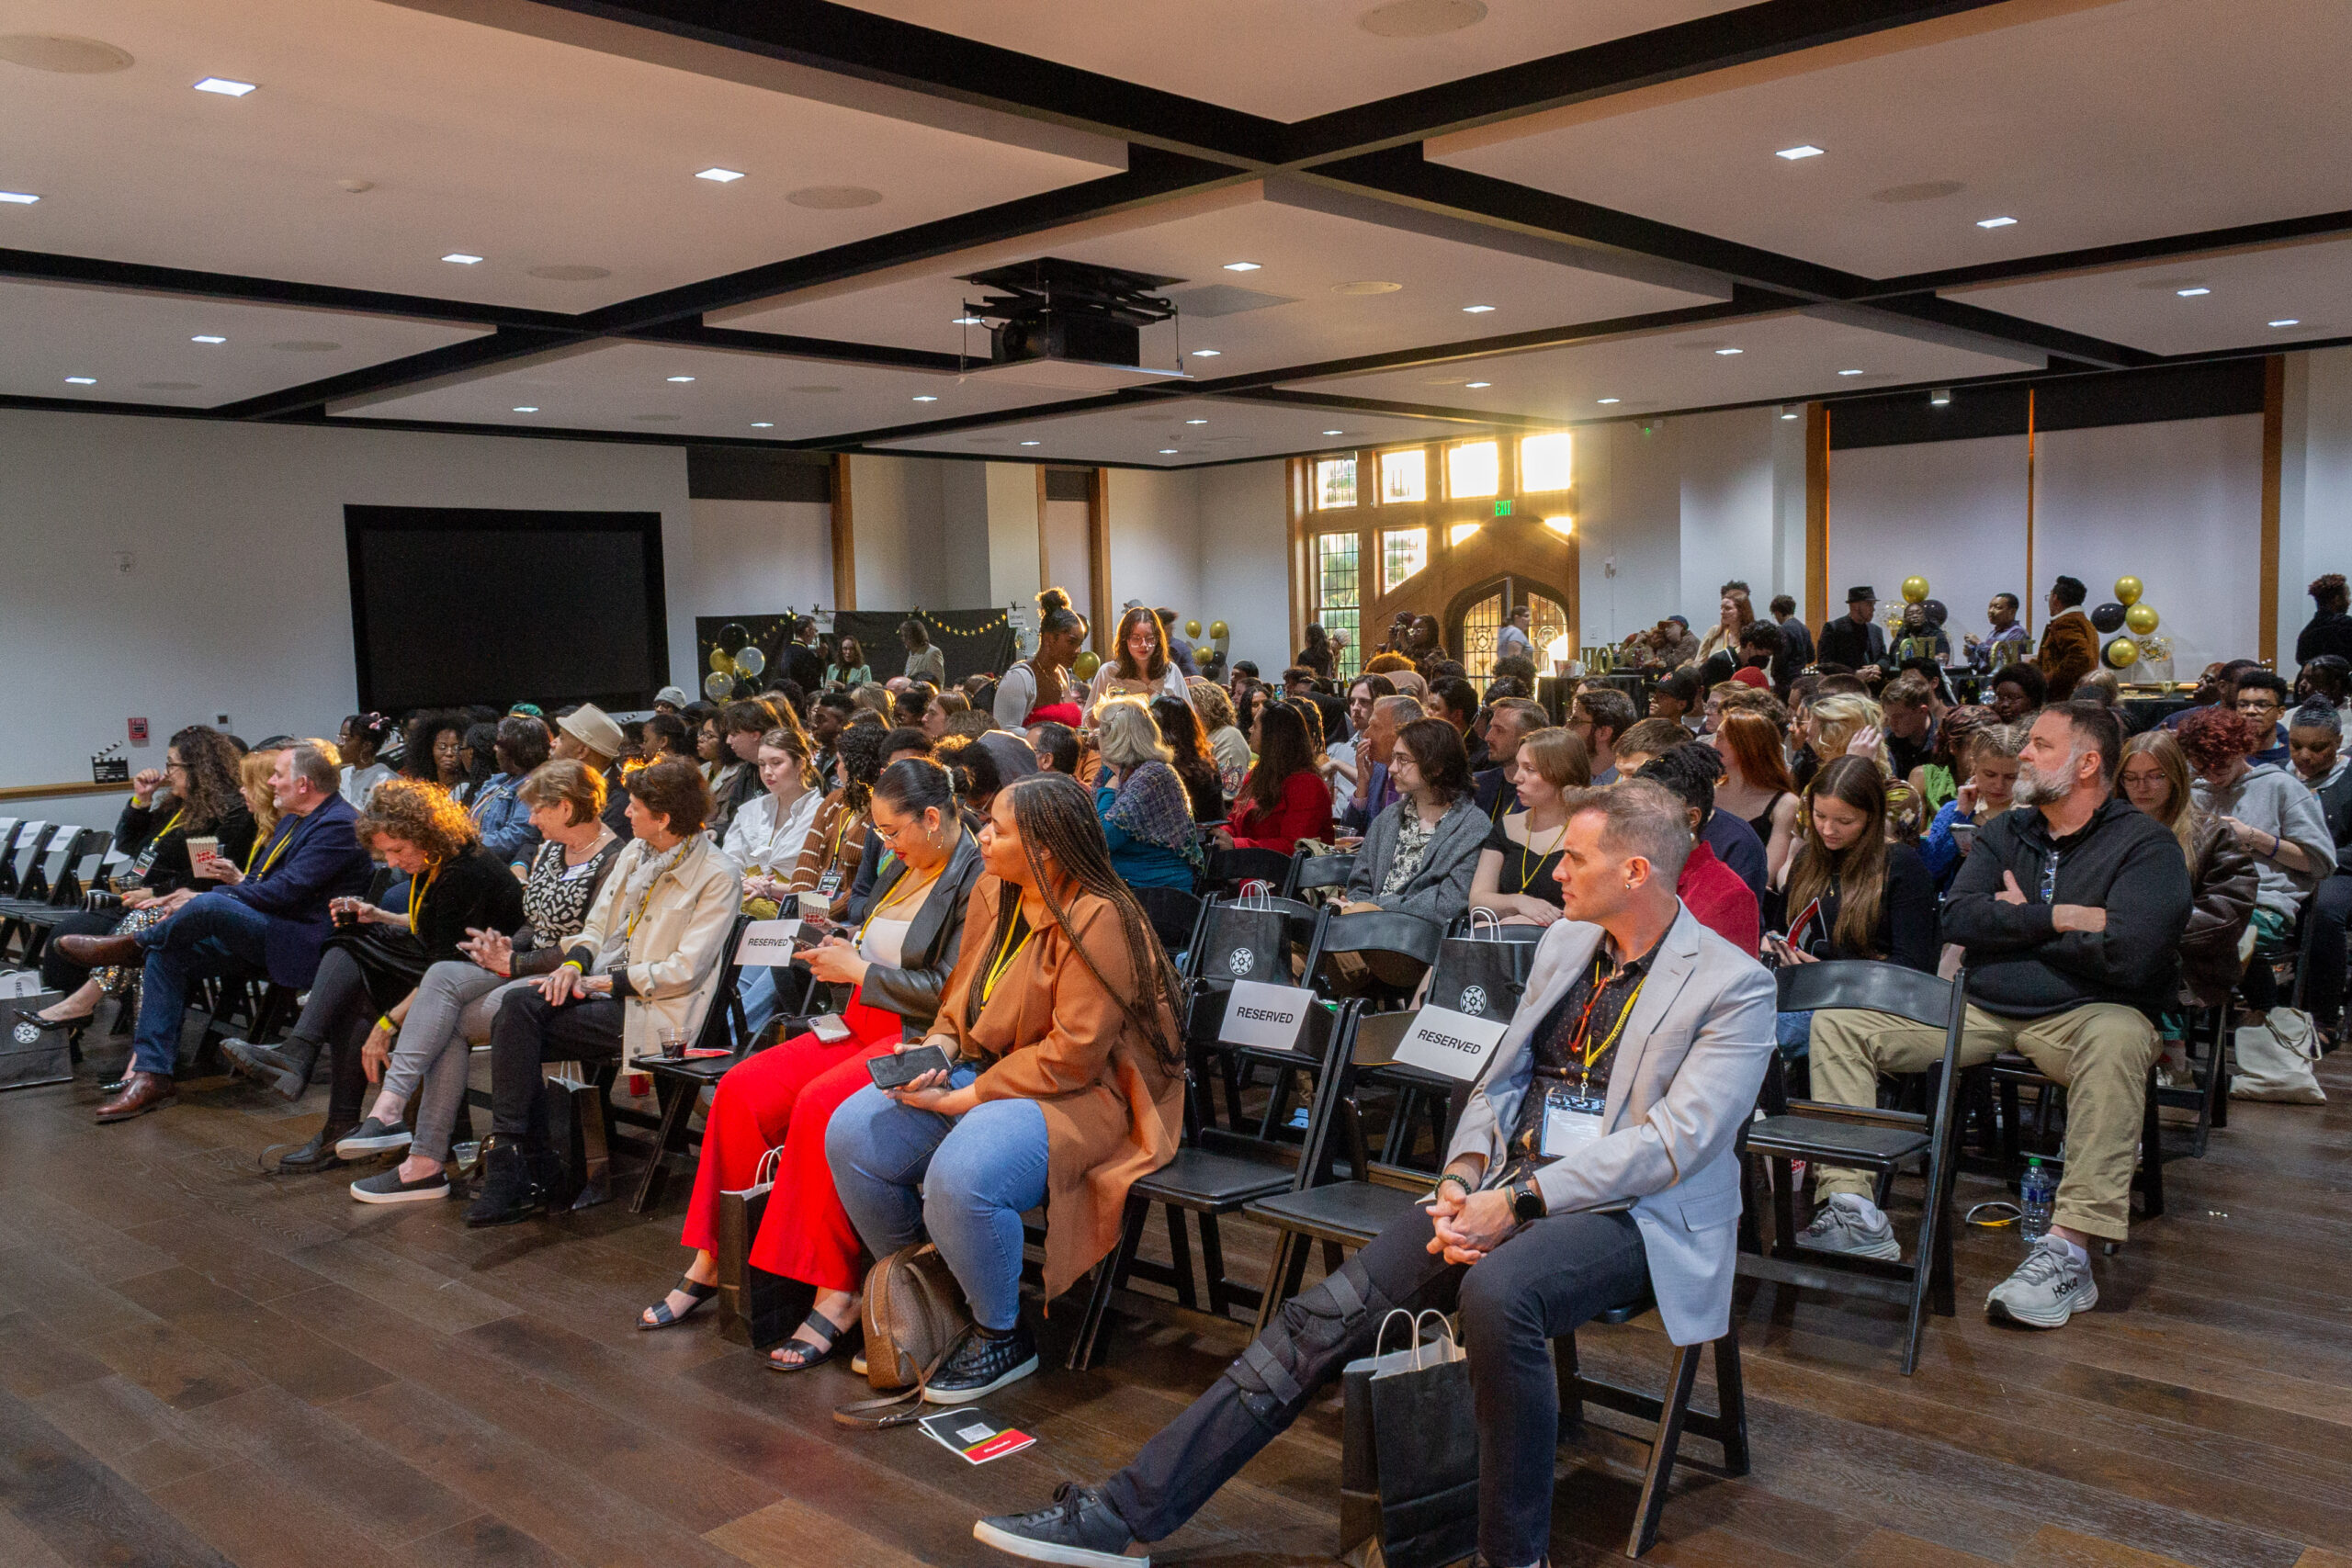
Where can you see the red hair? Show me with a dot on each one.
(2213, 737)
(1753, 742)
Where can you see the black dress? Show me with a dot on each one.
(1523, 871)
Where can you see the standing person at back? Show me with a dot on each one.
(1796, 643)
(1855, 639)
(2069, 648)
(1512, 641)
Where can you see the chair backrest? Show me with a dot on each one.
(1229, 869)
(11, 830)
(1315, 1054)
(1310, 871)
(1872, 986)
(1372, 1044)
(723, 1025)
(33, 884)
(1175, 917)
(1408, 937)
(23, 862)
(90, 844)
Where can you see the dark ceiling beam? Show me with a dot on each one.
(2091, 352)
(1439, 413)
(36, 266)
(506, 343)
(782, 345)
(1125, 397)
(1695, 48)
(2287, 230)
(862, 44)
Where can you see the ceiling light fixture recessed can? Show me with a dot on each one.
(206, 337)
(81, 380)
(1939, 397)
(1795, 154)
(1476, 309)
(1033, 444)
(719, 176)
(1168, 451)
(967, 322)
(2288, 322)
(18, 198)
(1611, 400)
(926, 396)
(1196, 422)
(1241, 266)
(764, 425)
(2191, 293)
(1474, 385)
(1335, 433)
(679, 378)
(225, 87)
(1849, 373)
(1994, 222)
(1727, 351)
(527, 408)
(1207, 353)
(462, 258)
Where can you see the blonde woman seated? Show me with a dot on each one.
(1516, 876)
(1146, 813)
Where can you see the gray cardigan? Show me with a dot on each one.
(934, 941)
(1441, 889)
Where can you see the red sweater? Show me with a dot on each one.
(1719, 898)
(1303, 811)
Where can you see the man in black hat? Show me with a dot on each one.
(1855, 639)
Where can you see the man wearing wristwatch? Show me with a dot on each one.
(1595, 1159)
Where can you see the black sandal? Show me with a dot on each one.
(662, 1318)
(807, 1355)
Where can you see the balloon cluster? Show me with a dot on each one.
(735, 657)
(2124, 648)
(1915, 592)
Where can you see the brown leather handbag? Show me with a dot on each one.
(915, 1316)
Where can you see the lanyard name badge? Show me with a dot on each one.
(1572, 1112)
(766, 944)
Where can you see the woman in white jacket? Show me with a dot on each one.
(644, 967)
(765, 837)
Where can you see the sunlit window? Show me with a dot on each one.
(1403, 551)
(1472, 469)
(1462, 532)
(1335, 483)
(1337, 597)
(1544, 462)
(1405, 476)
(1563, 526)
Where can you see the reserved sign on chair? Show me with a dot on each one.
(1265, 1016)
(766, 944)
(1453, 1044)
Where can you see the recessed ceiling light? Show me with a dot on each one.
(764, 425)
(1941, 396)
(1613, 399)
(681, 378)
(967, 322)
(1241, 266)
(19, 197)
(1994, 222)
(926, 396)
(1168, 451)
(1196, 422)
(1788, 411)
(81, 380)
(1033, 444)
(1474, 385)
(1730, 351)
(1793, 154)
(1207, 353)
(1335, 433)
(527, 408)
(206, 337)
(2191, 293)
(1476, 309)
(720, 176)
(1849, 373)
(222, 85)
(2288, 322)
(462, 258)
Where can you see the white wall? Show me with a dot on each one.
(1952, 512)
(239, 598)
(1154, 522)
(756, 558)
(2315, 482)
(1244, 570)
(1728, 498)
(898, 517)
(1629, 524)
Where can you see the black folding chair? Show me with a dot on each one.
(678, 1085)
(1882, 1142)
(1219, 956)
(77, 872)
(1230, 869)
(1311, 873)
(1175, 917)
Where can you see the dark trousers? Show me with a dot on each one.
(530, 1032)
(337, 1018)
(59, 973)
(1545, 1280)
(2329, 909)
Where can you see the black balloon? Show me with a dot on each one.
(1937, 611)
(2108, 617)
(734, 638)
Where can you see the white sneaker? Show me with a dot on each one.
(1844, 1229)
(2049, 1287)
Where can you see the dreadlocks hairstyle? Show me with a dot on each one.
(1055, 815)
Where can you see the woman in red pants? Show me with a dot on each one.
(782, 1098)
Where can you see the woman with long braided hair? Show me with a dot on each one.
(1066, 1083)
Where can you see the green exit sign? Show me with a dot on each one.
(1502, 509)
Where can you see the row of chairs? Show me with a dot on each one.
(45, 869)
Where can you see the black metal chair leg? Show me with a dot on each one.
(1660, 1471)
(677, 1100)
(1731, 1399)
(1213, 1265)
(1109, 1274)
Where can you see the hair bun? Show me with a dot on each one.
(1052, 598)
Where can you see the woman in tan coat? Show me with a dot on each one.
(1066, 1085)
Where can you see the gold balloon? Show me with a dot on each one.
(1086, 664)
(2141, 618)
(750, 663)
(2127, 589)
(721, 663)
(718, 687)
(1192, 628)
(2122, 652)
(1914, 589)
(1218, 630)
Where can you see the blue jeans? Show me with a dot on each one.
(212, 933)
(978, 1174)
(1793, 1032)
(757, 991)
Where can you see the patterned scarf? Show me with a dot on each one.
(639, 891)
(1152, 806)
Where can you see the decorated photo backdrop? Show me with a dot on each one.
(734, 654)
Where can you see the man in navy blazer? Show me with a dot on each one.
(273, 919)
(1596, 1162)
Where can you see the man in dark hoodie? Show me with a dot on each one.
(2071, 908)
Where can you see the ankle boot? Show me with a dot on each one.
(509, 1191)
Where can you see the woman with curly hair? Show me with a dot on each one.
(368, 975)
(2273, 817)
(1139, 665)
(433, 751)
(196, 795)
(1227, 743)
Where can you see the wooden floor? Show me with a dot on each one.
(201, 1364)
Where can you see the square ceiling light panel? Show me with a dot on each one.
(2090, 122)
(1166, 435)
(381, 137)
(119, 346)
(1331, 276)
(1763, 359)
(2275, 296)
(649, 389)
(1300, 58)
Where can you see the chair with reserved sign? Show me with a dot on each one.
(1262, 939)
(1480, 973)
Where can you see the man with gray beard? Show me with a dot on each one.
(2071, 908)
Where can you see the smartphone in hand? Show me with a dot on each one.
(902, 1069)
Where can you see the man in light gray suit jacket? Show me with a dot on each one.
(1596, 1158)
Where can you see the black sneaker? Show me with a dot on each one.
(981, 1365)
(1077, 1528)
(386, 1187)
(508, 1193)
(372, 1137)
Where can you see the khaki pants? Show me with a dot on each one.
(2101, 1052)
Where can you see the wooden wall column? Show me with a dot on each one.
(2274, 453)
(845, 538)
(1816, 512)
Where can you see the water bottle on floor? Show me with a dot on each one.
(2036, 1191)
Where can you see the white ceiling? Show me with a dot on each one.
(1787, 357)
(626, 387)
(2092, 122)
(1140, 432)
(1304, 256)
(528, 151)
(138, 347)
(2309, 284)
(1295, 59)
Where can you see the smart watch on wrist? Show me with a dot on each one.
(1526, 1203)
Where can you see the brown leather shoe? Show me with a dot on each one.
(99, 952)
(143, 1092)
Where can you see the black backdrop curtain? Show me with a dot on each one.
(974, 640)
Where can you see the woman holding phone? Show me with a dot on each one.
(1853, 894)
(784, 1097)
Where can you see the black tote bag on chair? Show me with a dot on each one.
(1409, 1453)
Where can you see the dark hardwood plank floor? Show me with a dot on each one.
(200, 1365)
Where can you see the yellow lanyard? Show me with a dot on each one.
(1589, 1053)
(1006, 953)
(904, 894)
(166, 831)
(276, 851)
(1524, 877)
(416, 894)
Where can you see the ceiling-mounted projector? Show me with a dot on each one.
(1068, 324)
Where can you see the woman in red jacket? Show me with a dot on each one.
(1284, 799)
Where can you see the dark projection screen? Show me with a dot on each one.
(473, 605)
